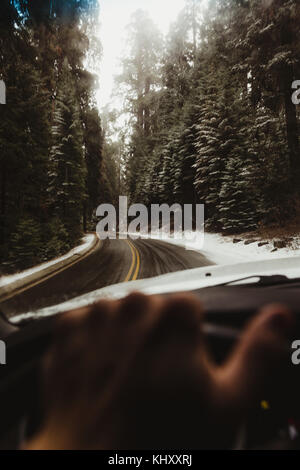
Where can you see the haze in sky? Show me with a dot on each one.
(115, 16)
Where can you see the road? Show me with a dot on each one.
(113, 261)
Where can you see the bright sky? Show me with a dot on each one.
(115, 16)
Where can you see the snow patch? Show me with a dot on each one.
(87, 242)
(222, 250)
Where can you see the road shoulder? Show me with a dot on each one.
(15, 284)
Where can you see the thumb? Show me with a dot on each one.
(258, 358)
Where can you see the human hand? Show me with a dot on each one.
(136, 374)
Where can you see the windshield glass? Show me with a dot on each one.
(141, 138)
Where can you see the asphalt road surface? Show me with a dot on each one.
(113, 261)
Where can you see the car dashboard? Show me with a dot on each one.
(273, 424)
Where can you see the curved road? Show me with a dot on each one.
(112, 262)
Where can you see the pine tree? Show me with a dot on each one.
(67, 172)
(138, 81)
(269, 48)
(241, 202)
(271, 147)
(95, 170)
(26, 244)
(209, 163)
(50, 132)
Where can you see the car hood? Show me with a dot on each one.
(187, 280)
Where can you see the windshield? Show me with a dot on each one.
(141, 138)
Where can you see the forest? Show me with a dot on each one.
(207, 117)
(53, 170)
(210, 112)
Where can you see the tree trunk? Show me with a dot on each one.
(147, 109)
(291, 124)
(140, 116)
(84, 218)
(3, 204)
(194, 22)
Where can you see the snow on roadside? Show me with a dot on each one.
(87, 242)
(222, 250)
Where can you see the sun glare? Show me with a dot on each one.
(115, 16)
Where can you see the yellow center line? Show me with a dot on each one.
(136, 262)
(127, 279)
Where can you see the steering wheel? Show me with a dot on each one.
(279, 421)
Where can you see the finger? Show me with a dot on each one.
(182, 315)
(176, 337)
(79, 336)
(137, 307)
(257, 359)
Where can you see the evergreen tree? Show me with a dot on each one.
(240, 201)
(67, 165)
(138, 82)
(52, 172)
(211, 150)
